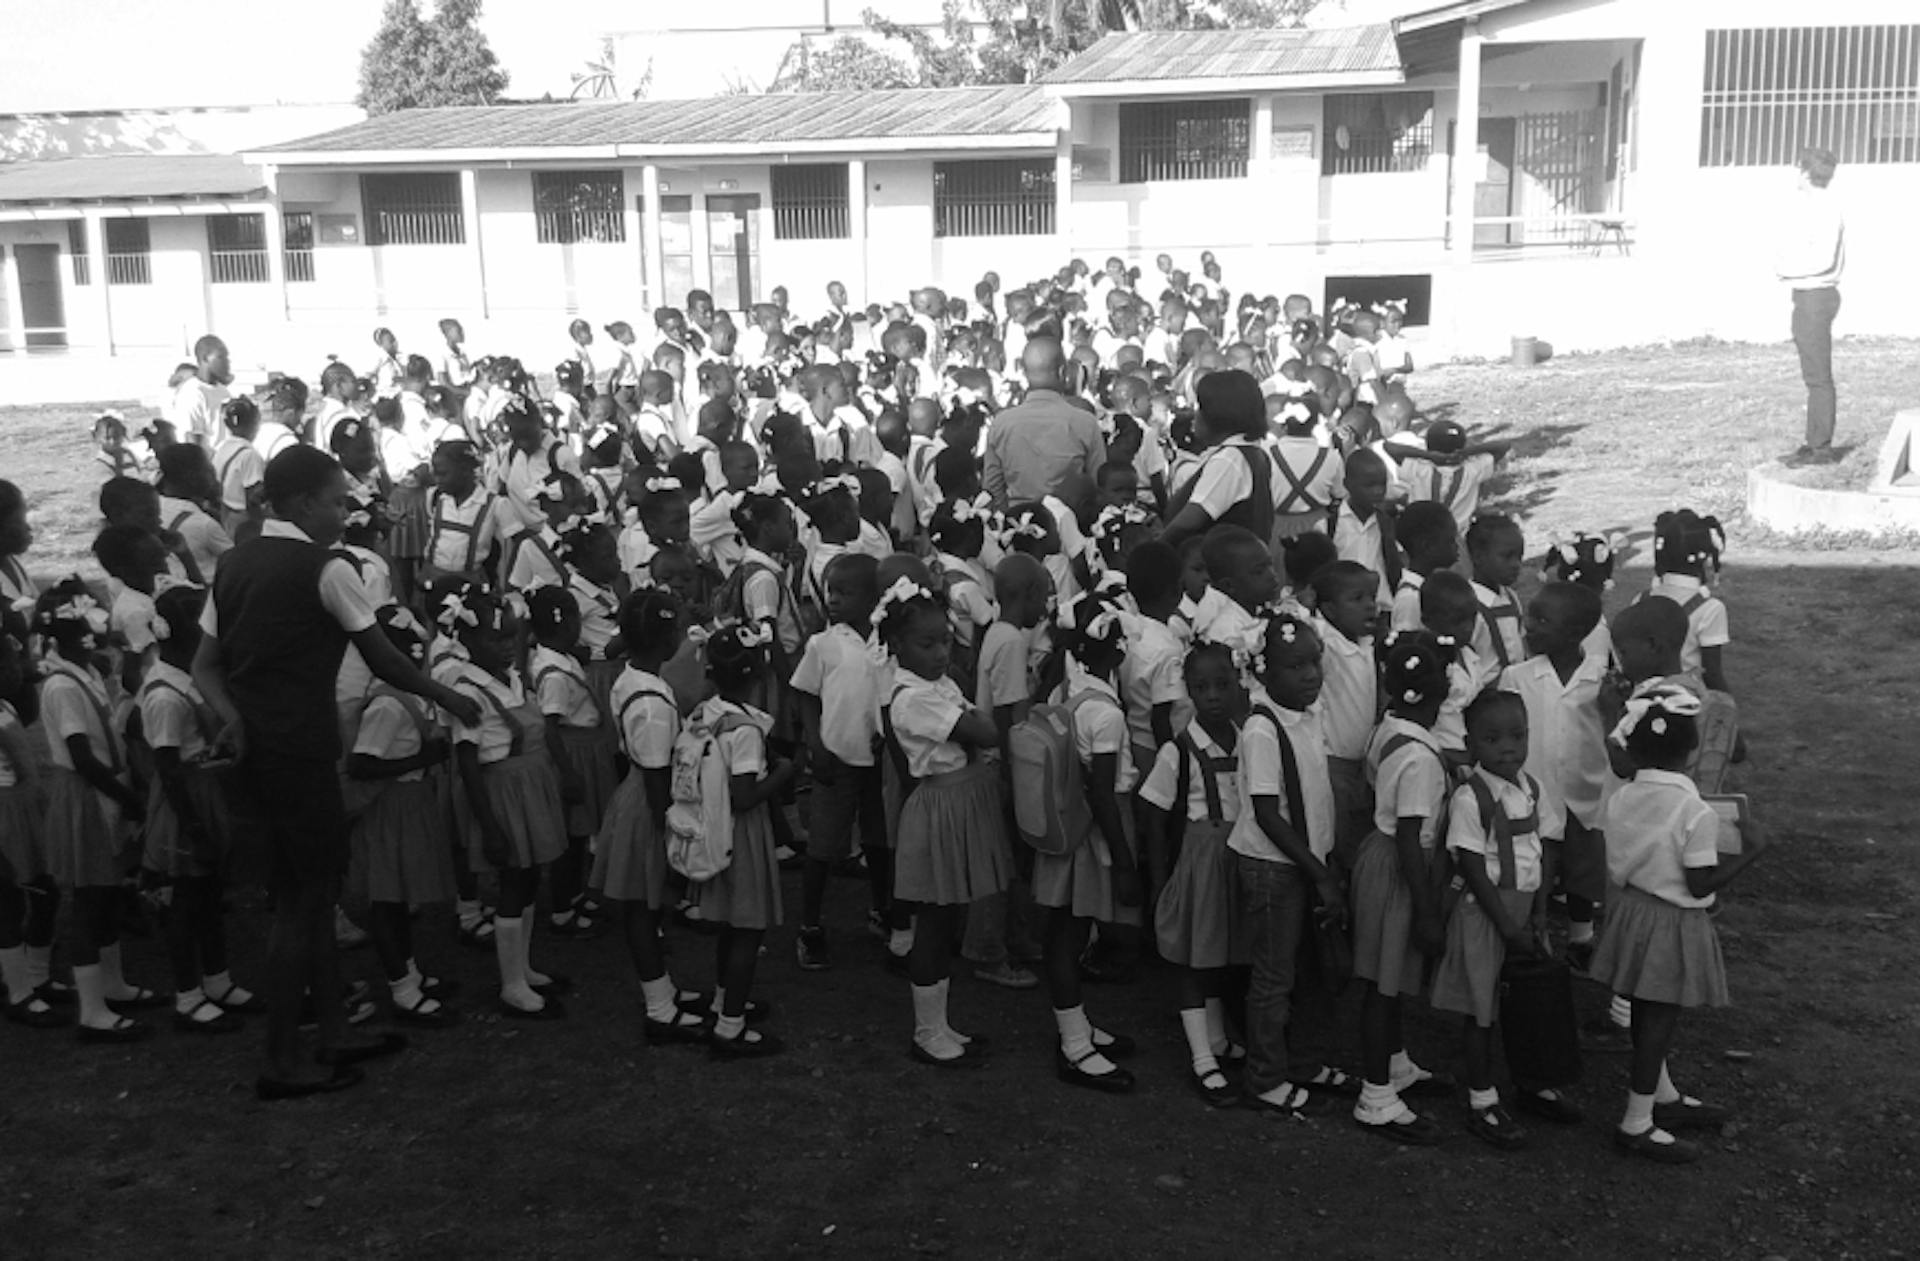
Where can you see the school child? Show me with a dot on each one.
(1498, 823)
(834, 682)
(566, 406)
(1396, 914)
(1451, 472)
(511, 789)
(686, 670)
(1649, 637)
(1240, 567)
(602, 469)
(534, 554)
(187, 482)
(238, 466)
(280, 419)
(1686, 552)
(1310, 473)
(466, 527)
(759, 593)
(188, 829)
(29, 898)
(744, 899)
(1281, 843)
(628, 366)
(354, 445)
(339, 389)
(1193, 801)
(1151, 681)
(1303, 556)
(579, 739)
(1586, 560)
(839, 529)
(1566, 748)
(951, 847)
(113, 454)
(530, 457)
(1117, 531)
(1449, 612)
(1048, 531)
(389, 368)
(1100, 879)
(88, 797)
(1344, 617)
(1495, 547)
(456, 369)
(958, 532)
(1426, 532)
(16, 537)
(135, 562)
(1363, 526)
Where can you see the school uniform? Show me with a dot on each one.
(1363, 542)
(1497, 633)
(1409, 782)
(206, 541)
(1222, 620)
(356, 677)
(835, 668)
(520, 474)
(1468, 676)
(173, 715)
(332, 412)
(1455, 487)
(969, 595)
(240, 469)
(401, 850)
(1567, 753)
(654, 432)
(535, 560)
(81, 825)
(462, 533)
(747, 894)
(1308, 477)
(1467, 979)
(23, 844)
(1275, 896)
(1151, 676)
(130, 617)
(1197, 918)
(1082, 881)
(1659, 942)
(713, 534)
(1706, 615)
(951, 846)
(516, 773)
(1349, 703)
(272, 437)
(630, 849)
(1406, 601)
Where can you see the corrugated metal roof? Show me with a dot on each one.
(129, 177)
(807, 118)
(1155, 56)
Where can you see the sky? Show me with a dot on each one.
(152, 54)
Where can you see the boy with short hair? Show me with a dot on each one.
(654, 428)
(1495, 546)
(187, 482)
(1344, 617)
(1152, 683)
(1240, 567)
(1451, 472)
(1427, 535)
(1363, 525)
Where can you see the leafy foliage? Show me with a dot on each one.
(413, 62)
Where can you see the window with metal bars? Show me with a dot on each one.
(77, 252)
(237, 250)
(1767, 94)
(1185, 140)
(419, 208)
(129, 252)
(570, 206)
(810, 203)
(993, 197)
(1375, 133)
(297, 228)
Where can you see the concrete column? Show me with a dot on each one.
(1466, 143)
(632, 221)
(470, 212)
(10, 287)
(1063, 189)
(274, 233)
(857, 227)
(1262, 177)
(650, 233)
(97, 273)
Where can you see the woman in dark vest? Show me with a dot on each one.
(1234, 485)
(284, 608)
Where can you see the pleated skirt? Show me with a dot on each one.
(408, 508)
(400, 845)
(1654, 950)
(747, 893)
(82, 831)
(601, 676)
(629, 851)
(1468, 978)
(524, 795)
(1383, 951)
(23, 843)
(1082, 881)
(595, 759)
(1197, 920)
(951, 847)
(167, 851)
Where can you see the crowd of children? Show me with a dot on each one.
(1258, 700)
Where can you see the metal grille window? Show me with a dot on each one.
(129, 252)
(1768, 94)
(297, 227)
(570, 206)
(1184, 140)
(1004, 197)
(77, 251)
(810, 203)
(416, 209)
(1373, 133)
(237, 245)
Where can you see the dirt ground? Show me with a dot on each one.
(578, 1139)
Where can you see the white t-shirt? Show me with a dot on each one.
(1151, 675)
(388, 731)
(1360, 541)
(1566, 742)
(73, 702)
(206, 540)
(1657, 830)
(1262, 775)
(835, 668)
(239, 467)
(195, 412)
(1100, 726)
(168, 717)
(1226, 476)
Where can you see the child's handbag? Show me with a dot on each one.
(1537, 1027)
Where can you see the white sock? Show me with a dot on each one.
(513, 968)
(730, 1027)
(217, 985)
(1639, 1118)
(1579, 932)
(1381, 1105)
(930, 1032)
(534, 977)
(1665, 1091)
(111, 976)
(1193, 1020)
(469, 912)
(900, 942)
(184, 1001)
(1217, 1026)
(661, 995)
(92, 987)
(39, 965)
(720, 1001)
(13, 973)
(1480, 1100)
(406, 991)
(1620, 1011)
(414, 974)
(1076, 1039)
(1403, 1072)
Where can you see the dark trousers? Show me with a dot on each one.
(1813, 314)
(1275, 900)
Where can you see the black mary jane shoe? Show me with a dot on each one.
(33, 1012)
(687, 1027)
(557, 985)
(1068, 1070)
(1221, 1096)
(972, 1055)
(222, 1020)
(124, 1029)
(1118, 1046)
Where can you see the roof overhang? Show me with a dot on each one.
(1188, 88)
(633, 153)
(1427, 19)
(55, 212)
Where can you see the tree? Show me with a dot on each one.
(413, 63)
(849, 63)
(601, 79)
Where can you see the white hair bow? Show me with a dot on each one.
(454, 613)
(904, 588)
(1654, 705)
(660, 485)
(753, 634)
(965, 510)
(85, 610)
(163, 629)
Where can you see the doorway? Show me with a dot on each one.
(733, 248)
(42, 301)
(1493, 183)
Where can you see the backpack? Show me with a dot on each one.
(1049, 798)
(700, 820)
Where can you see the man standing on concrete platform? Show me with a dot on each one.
(1034, 448)
(1813, 252)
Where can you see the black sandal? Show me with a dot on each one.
(685, 1027)
(700, 1003)
(1296, 1105)
(35, 1012)
(1332, 1081)
(140, 999)
(1068, 1070)
(222, 1020)
(1221, 1096)
(427, 1011)
(252, 1005)
(123, 1029)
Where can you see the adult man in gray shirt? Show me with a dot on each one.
(1812, 254)
(1034, 448)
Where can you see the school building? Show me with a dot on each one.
(1592, 172)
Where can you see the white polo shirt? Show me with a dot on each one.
(1657, 829)
(1566, 742)
(1350, 694)
(1465, 833)
(1261, 775)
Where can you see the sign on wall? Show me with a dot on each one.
(1092, 164)
(1292, 142)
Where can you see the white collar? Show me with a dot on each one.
(275, 528)
(1668, 779)
(1683, 582)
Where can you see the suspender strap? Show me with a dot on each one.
(1492, 616)
(899, 755)
(178, 517)
(202, 715)
(1453, 487)
(1210, 771)
(1494, 821)
(506, 715)
(1299, 499)
(114, 761)
(1290, 775)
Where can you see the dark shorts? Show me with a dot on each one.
(303, 825)
(852, 797)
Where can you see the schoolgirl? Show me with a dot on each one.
(1396, 914)
(1660, 949)
(958, 532)
(113, 455)
(16, 537)
(950, 845)
(658, 516)
(580, 740)
(399, 752)
(534, 553)
(88, 797)
(744, 899)
(28, 896)
(1495, 546)
(759, 593)
(1193, 792)
(511, 788)
(1686, 554)
(465, 525)
(1586, 560)
(630, 849)
(1098, 880)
